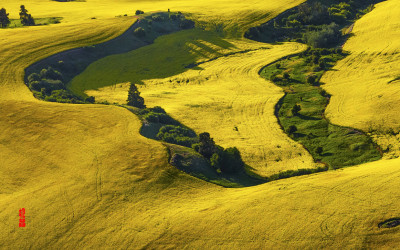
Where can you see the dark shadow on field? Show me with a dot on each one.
(169, 56)
(194, 164)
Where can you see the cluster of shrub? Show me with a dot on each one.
(224, 160)
(299, 172)
(170, 130)
(178, 17)
(48, 85)
(313, 58)
(316, 23)
(26, 19)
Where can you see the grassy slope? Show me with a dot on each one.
(87, 179)
(362, 95)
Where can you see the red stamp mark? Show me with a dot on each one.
(22, 217)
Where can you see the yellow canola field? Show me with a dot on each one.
(364, 93)
(229, 17)
(87, 179)
(227, 98)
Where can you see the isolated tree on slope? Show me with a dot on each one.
(207, 145)
(4, 20)
(134, 98)
(26, 19)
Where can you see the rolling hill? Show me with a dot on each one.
(88, 179)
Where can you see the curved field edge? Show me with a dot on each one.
(364, 93)
(226, 91)
(338, 146)
(140, 201)
(78, 59)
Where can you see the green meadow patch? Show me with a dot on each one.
(16, 23)
(301, 110)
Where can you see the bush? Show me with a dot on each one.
(319, 150)
(227, 160)
(253, 33)
(311, 79)
(139, 32)
(51, 73)
(90, 99)
(176, 160)
(151, 117)
(292, 129)
(321, 65)
(139, 12)
(206, 145)
(315, 13)
(323, 93)
(157, 18)
(162, 118)
(286, 75)
(47, 84)
(34, 77)
(158, 109)
(187, 24)
(177, 135)
(296, 109)
(327, 36)
(62, 95)
(174, 17)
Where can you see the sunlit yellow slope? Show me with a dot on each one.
(231, 17)
(363, 94)
(227, 98)
(87, 179)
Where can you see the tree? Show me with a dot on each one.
(286, 75)
(311, 79)
(26, 19)
(134, 98)
(292, 129)
(207, 145)
(296, 109)
(4, 20)
(231, 161)
(90, 99)
(319, 150)
(139, 12)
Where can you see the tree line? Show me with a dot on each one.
(228, 161)
(26, 19)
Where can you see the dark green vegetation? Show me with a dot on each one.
(16, 23)
(134, 98)
(317, 23)
(25, 19)
(160, 126)
(199, 156)
(4, 20)
(193, 163)
(139, 12)
(49, 85)
(195, 154)
(394, 222)
(301, 110)
(47, 79)
(73, 62)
